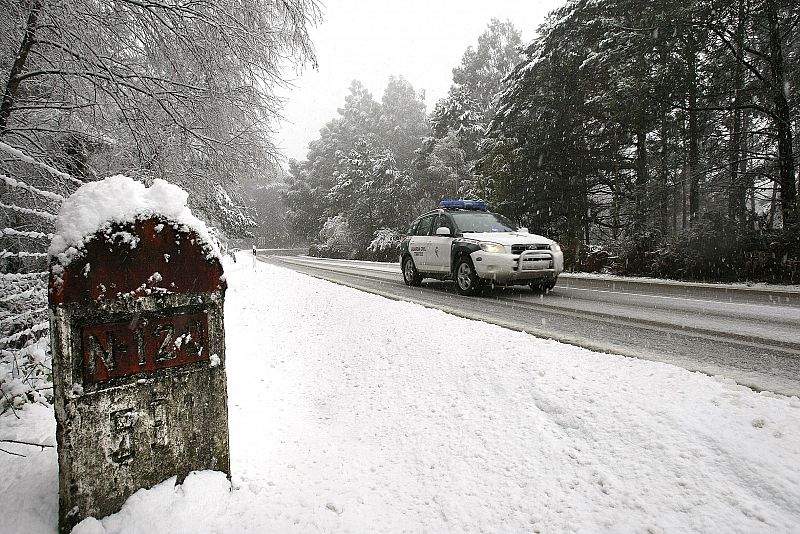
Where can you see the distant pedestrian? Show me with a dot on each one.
(254, 256)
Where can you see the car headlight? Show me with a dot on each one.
(555, 247)
(494, 248)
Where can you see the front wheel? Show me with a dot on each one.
(544, 286)
(410, 274)
(467, 280)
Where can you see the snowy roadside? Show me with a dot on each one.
(788, 288)
(353, 413)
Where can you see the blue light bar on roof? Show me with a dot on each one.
(464, 204)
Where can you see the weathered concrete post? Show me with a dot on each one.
(136, 311)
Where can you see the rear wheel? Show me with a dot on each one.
(410, 274)
(467, 280)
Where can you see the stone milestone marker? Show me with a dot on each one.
(138, 346)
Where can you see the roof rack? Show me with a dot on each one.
(478, 205)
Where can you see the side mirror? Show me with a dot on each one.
(443, 230)
(523, 230)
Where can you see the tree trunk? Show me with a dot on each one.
(684, 211)
(615, 193)
(747, 181)
(783, 118)
(773, 204)
(663, 194)
(694, 133)
(641, 179)
(28, 39)
(675, 206)
(736, 192)
(615, 202)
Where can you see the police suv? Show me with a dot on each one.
(465, 242)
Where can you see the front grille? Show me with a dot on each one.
(519, 249)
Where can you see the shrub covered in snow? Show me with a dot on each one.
(25, 370)
(26, 375)
(711, 250)
(335, 239)
(386, 245)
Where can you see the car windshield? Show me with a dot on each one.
(481, 221)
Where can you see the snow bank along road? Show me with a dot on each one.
(751, 335)
(344, 419)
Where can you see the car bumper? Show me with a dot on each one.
(522, 268)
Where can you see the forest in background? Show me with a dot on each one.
(647, 137)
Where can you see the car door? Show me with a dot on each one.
(418, 246)
(438, 250)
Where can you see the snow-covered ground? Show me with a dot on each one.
(353, 413)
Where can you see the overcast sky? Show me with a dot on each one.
(370, 40)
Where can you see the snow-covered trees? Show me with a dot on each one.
(360, 171)
(180, 90)
(460, 120)
(379, 164)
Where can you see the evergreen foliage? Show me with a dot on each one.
(631, 123)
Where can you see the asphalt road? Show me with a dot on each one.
(750, 335)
